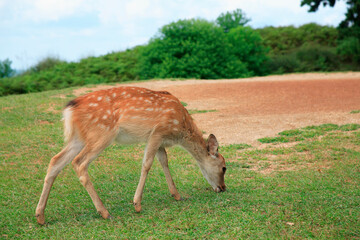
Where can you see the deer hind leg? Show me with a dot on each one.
(150, 152)
(81, 164)
(57, 163)
(162, 157)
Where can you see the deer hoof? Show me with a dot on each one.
(105, 214)
(40, 219)
(177, 197)
(137, 207)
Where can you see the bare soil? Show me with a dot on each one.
(252, 108)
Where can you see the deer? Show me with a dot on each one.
(128, 115)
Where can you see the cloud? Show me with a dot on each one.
(72, 28)
(50, 10)
(39, 10)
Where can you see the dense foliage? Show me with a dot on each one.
(197, 48)
(55, 74)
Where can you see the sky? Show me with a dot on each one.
(31, 30)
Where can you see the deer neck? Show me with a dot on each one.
(195, 144)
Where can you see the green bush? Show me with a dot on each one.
(246, 45)
(307, 58)
(189, 49)
(200, 49)
(316, 58)
(282, 63)
(52, 73)
(283, 40)
(349, 50)
(46, 64)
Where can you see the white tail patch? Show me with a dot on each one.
(68, 128)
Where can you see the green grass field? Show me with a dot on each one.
(302, 184)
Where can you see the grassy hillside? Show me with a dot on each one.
(307, 189)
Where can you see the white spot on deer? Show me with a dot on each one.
(93, 104)
(108, 112)
(123, 93)
(108, 99)
(140, 98)
(134, 98)
(104, 117)
(147, 101)
(149, 109)
(99, 98)
(95, 120)
(114, 94)
(101, 126)
(176, 122)
(175, 129)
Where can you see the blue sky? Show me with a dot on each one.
(31, 30)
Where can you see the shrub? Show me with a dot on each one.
(282, 63)
(246, 45)
(200, 49)
(349, 50)
(316, 58)
(307, 58)
(190, 49)
(283, 40)
(46, 64)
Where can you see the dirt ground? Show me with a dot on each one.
(252, 108)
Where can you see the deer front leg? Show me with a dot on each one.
(57, 163)
(150, 151)
(162, 157)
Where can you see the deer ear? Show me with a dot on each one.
(212, 145)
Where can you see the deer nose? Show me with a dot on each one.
(221, 188)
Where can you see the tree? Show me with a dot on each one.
(247, 46)
(192, 48)
(352, 16)
(5, 69)
(232, 19)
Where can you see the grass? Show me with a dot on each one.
(196, 111)
(308, 132)
(307, 189)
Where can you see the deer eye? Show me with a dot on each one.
(224, 169)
